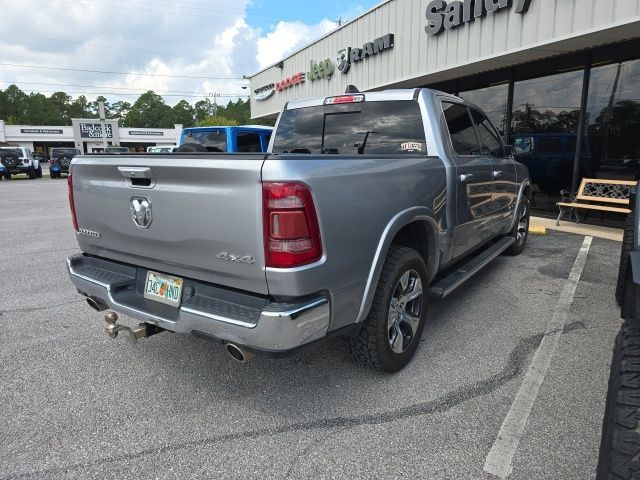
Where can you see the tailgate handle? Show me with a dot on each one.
(138, 177)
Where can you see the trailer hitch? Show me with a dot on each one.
(143, 330)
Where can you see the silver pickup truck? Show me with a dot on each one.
(366, 205)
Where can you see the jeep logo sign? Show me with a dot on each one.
(442, 16)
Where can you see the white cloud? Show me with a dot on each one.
(165, 37)
(288, 37)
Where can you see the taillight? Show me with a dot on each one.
(72, 204)
(344, 99)
(291, 231)
(25, 161)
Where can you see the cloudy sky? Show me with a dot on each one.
(171, 42)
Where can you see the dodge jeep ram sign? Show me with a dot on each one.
(350, 55)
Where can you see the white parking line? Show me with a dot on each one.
(500, 456)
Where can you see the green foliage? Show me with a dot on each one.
(216, 122)
(148, 111)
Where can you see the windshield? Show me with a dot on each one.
(213, 140)
(391, 127)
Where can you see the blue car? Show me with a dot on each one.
(249, 138)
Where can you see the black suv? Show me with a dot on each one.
(60, 161)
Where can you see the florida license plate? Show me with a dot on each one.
(163, 288)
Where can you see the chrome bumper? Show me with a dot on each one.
(272, 327)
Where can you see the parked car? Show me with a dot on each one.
(550, 158)
(620, 444)
(160, 149)
(61, 160)
(366, 205)
(18, 160)
(40, 156)
(247, 138)
(117, 150)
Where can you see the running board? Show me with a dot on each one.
(448, 284)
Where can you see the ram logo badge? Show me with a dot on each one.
(141, 211)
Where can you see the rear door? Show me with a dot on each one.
(505, 182)
(474, 183)
(205, 214)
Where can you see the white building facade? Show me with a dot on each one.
(562, 75)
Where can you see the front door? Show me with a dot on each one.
(474, 182)
(503, 172)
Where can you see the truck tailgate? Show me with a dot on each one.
(205, 220)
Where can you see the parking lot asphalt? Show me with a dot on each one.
(76, 404)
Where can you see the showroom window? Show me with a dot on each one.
(493, 102)
(545, 117)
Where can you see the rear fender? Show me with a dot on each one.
(399, 221)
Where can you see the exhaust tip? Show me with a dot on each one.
(239, 354)
(96, 304)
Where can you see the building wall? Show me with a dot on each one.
(501, 39)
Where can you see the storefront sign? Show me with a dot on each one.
(265, 92)
(149, 133)
(291, 81)
(41, 131)
(322, 69)
(442, 16)
(349, 55)
(94, 130)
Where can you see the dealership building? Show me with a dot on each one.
(563, 75)
(86, 135)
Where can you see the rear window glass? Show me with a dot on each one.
(214, 141)
(248, 142)
(16, 151)
(58, 152)
(461, 131)
(393, 127)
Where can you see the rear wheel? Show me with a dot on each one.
(627, 246)
(32, 173)
(520, 231)
(39, 172)
(390, 334)
(7, 176)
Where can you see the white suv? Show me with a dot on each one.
(16, 160)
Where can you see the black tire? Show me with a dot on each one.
(32, 174)
(620, 444)
(9, 160)
(372, 344)
(627, 246)
(7, 176)
(54, 175)
(520, 230)
(39, 172)
(191, 148)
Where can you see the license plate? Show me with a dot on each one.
(163, 288)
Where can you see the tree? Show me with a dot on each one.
(183, 113)
(81, 108)
(203, 109)
(149, 111)
(95, 109)
(120, 109)
(217, 121)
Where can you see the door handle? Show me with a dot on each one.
(467, 177)
(497, 174)
(135, 172)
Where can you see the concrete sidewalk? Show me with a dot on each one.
(579, 229)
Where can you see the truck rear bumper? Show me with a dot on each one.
(250, 321)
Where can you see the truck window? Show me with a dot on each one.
(461, 131)
(214, 141)
(392, 127)
(489, 137)
(248, 142)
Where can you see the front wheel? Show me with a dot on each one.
(520, 231)
(390, 334)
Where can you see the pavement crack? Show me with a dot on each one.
(513, 367)
(36, 309)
